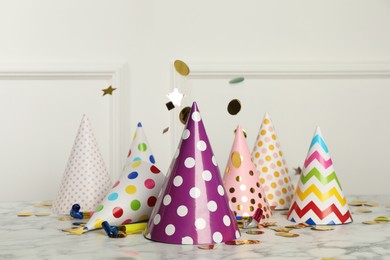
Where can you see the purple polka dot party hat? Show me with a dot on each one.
(268, 159)
(134, 195)
(85, 180)
(241, 181)
(193, 207)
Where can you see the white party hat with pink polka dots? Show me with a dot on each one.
(193, 207)
(241, 180)
(269, 161)
(86, 180)
(134, 195)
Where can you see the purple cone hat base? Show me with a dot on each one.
(193, 206)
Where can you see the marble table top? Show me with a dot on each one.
(41, 238)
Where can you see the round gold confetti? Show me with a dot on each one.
(255, 232)
(234, 107)
(65, 218)
(286, 234)
(181, 67)
(235, 242)
(281, 229)
(356, 203)
(382, 219)
(68, 229)
(371, 204)
(238, 178)
(184, 113)
(267, 224)
(25, 214)
(236, 159)
(322, 228)
(208, 247)
(42, 214)
(252, 242)
(299, 226)
(363, 210)
(370, 222)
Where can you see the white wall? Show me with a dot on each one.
(150, 35)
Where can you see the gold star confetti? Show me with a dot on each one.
(108, 90)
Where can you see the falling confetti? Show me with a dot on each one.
(181, 67)
(170, 105)
(165, 130)
(108, 90)
(175, 97)
(236, 80)
(183, 116)
(234, 107)
(298, 171)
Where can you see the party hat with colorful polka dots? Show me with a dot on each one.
(86, 180)
(241, 181)
(140, 149)
(193, 207)
(318, 199)
(269, 161)
(134, 195)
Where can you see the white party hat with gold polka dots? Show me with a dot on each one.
(86, 180)
(241, 181)
(134, 194)
(268, 159)
(193, 206)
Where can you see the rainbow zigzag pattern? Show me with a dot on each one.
(318, 198)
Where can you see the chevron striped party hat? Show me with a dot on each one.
(318, 198)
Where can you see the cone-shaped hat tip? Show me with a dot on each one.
(239, 131)
(266, 115)
(194, 106)
(318, 131)
(139, 124)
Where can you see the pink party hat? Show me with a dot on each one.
(241, 180)
(318, 199)
(85, 180)
(193, 207)
(134, 195)
(269, 161)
